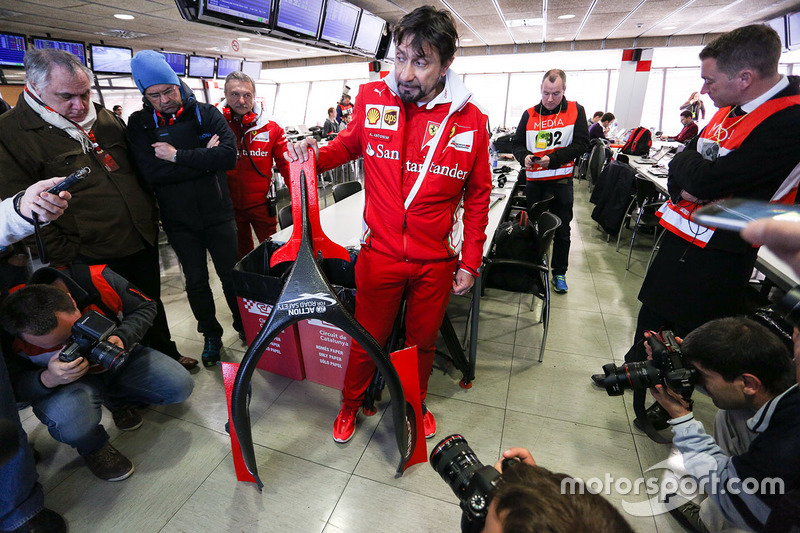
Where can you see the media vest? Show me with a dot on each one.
(547, 133)
(722, 136)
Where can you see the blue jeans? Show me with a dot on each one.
(191, 247)
(21, 495)
(72, 412)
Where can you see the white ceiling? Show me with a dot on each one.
(481, 23)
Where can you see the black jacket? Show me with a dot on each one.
(612, 195)
(192, 192)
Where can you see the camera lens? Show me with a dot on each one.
(639, 375)
(455, 461)
(111, 356)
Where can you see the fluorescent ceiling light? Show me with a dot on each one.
(122, 16)
(243, 39)
(525, 22)
(669, 27)
(466, 40)
(565, 17)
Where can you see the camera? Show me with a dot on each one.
(468, 478)
(88, 340)
(667, 367)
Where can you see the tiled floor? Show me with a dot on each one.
(185, 481)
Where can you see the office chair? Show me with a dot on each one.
(538, 271)
(643, 206)
(597, 159)
(343, 190)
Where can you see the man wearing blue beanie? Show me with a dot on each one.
(183, 147)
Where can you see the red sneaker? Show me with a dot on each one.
(429, 425)
(345, 424)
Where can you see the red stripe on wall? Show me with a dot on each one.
(627, 55)
(643, 66)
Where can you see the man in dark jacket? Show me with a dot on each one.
(68, 395)
(54, 130)
(550, 136)
(183, 148)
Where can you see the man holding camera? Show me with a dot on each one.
(261, 144)
(21, 496)
(550, 136)
(67, 395)
(748, 373)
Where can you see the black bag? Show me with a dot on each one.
(514, 239)
(639, 142)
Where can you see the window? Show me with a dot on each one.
(324, 94)
(523, 93)
(489, 91)
(290, 103)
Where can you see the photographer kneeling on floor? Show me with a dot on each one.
(67, 360)
(748, 373)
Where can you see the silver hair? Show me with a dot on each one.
(39, 64)
(238, 75)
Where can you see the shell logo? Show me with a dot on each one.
(373, 115)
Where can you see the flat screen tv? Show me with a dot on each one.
(226, 66)
(251, 13)
(110, 59)
(370, 31)
(391, 50)
(201, 67)
(252, 69)
(793, 24)
(299, 17)
(340, 22)
(74, 47)
(176, 61)
(12, 49)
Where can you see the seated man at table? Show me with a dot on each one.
(688, 132)
(599, 129)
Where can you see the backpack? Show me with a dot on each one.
(639, 142)
(515, 239)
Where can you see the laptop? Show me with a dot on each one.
(664, 150)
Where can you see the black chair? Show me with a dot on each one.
(536, 210)
(285, 216)
(597, 158)
(343, 190)
(643, 207)
(547, 223)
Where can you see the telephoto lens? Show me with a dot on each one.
(470, 480)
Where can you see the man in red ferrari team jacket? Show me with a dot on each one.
(261, 141)
(425, 148)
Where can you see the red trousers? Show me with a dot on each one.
(381, 283)
(263, 224)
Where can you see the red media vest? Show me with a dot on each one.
(547, 133)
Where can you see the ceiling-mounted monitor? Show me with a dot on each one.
(226, 66)
(793, 25)
(12, 50)
(391, 50)
(246, 13)
(370, 31)
(299, 17)
(176, 61)
(73, 47)
(110, 59)
(252, 69)
(201, 67)
(340, 23)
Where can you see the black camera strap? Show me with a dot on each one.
(639, 409)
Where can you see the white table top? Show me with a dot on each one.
(341, 221)
(776, 270)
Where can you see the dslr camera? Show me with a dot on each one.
(88, 340)
(668, 367)
(471, 481)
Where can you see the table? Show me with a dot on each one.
(341, 222)
(776, 271)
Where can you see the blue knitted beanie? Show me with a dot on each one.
(149, 67)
